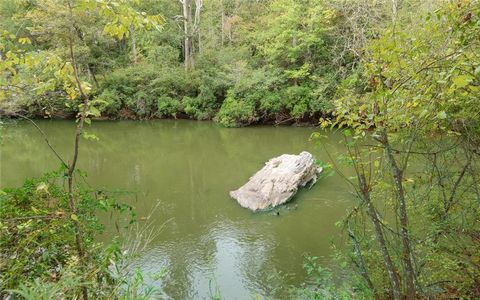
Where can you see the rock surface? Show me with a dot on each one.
(278, 181)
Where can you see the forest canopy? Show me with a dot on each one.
(237, 62)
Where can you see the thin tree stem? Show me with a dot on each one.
(44, 137)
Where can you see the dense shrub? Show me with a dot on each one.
(168, 107)
(297, 99)
(145, 91)
(173, 82)
(38, 251)
(53, 238)
(259, 94)
(37, 234)
(271, 103)
(112, 101)
(236, 112)
(128, 88)
(143, 104)
(202, 107)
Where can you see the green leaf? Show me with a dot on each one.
(462, 80)
(477, 71)
(90, 136)
(74, 217)
(347, 132)
(42, 187)
(94, 111)
(442, 115)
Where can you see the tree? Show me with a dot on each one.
(190, 28)
(418, 82)
(66, 22)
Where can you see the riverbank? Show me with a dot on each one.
(125, 114)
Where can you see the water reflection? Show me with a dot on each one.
(188, 168)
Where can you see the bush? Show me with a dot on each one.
(146, 91)
(31, 247)
(271, 103)
(37, 232)
(112, 105)
(215, 89)
(323, 283)
(38, 254)
(127, 88)
(235, 112)
(252, 92)
(203, 106)
(297, 99)
(143, 104)
(168, 107)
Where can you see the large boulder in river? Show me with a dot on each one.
(277, 181)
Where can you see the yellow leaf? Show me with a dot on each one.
(42, 187)
(24, 40)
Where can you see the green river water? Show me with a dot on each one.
(207, 242)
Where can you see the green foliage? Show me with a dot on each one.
(412, 146)
(235, 112)
(129, 89)
(112, 101)
(31, 234)
(297, 99)
(49, 290)
(406, 71)
(168, 106)
(275, 56)
(202, 107)
(323, 284)
(58, 40)
(39, 259)
(35, 220)
(403, 79)
(146, 92)
(120, 286)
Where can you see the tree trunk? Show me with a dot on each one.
(187, 31)
(91, 70)
(222, 31)
(71, 170)
(361, 262)
(72, 165)
(391, 270)
(196, 25)
(403, 216)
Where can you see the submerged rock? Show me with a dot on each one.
(278, 181)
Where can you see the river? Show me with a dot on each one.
(207, 242)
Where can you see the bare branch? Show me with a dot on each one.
(44, 137)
